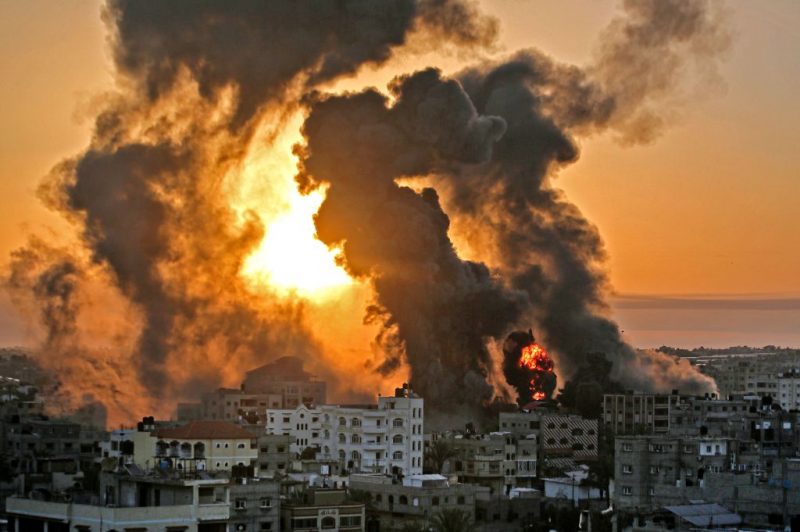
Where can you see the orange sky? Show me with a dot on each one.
(710, 208)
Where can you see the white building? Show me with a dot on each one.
(788, 394)
(382, 438)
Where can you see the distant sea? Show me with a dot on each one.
(710, 321)
(647, 321)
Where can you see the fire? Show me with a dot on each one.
(289, 259)
(535, 358)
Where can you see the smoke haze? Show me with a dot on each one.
(202, 85)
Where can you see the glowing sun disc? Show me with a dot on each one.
(290, 258)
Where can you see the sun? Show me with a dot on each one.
(290, 257)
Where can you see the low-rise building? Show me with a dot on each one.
(199, 445)
(323, 509)
(416, 499)
(143, 503)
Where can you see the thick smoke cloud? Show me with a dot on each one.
(493, 155)
(149, 196)
(540, 242)
(55, 285)
(436, 310)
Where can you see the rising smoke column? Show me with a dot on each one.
(196, 80)
(546, 262)
(437, 311)
(540, 242)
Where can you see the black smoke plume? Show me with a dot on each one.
(492, 154)
(436, 310)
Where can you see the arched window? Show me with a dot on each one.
(328, 522)
(391, 499)
(403, 499)
(397, 439)
(327, 450)
(186, 450)
(397, 422)
(174, 448)
(342, 438)
(355, 422)
(342, 422)
(327, 434)
(199, 450)
(355, 438)
(355, 456)
(397, 455)
(161, 448)
(341, 455)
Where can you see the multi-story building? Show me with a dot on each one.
(275, 454)
(752, 374)
(642, 413)
(41, 445)
(255, 505)
(382, 438)
(323, 509)
(141, 502)
(656, 471)
(282, 384)
(417, 499)
(200, 445)
(644, 462)
(558, 435)
(788, 391)
(285, 377)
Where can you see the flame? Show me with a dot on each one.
(534, 357)
(290, 259)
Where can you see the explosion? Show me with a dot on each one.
(528, 368)
(534, 357)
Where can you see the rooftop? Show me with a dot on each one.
(205, 430)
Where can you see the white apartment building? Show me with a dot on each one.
(383, 438)
(788, 390)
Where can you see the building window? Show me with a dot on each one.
(627, 490)
(460, 499)
(403, 499)
(342, 422)
(627, 469)
(435, 501)
(266, 502)
(240, 504)
(240, 446)
(397, 455)
(328, 523)
(355, 422)
(355, 438)
(342, 438)
(397, 439)
(397, 422)
(350, 521)
(266, 525)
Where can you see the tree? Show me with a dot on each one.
(439, 452)
(309, 453)
(452, 520)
